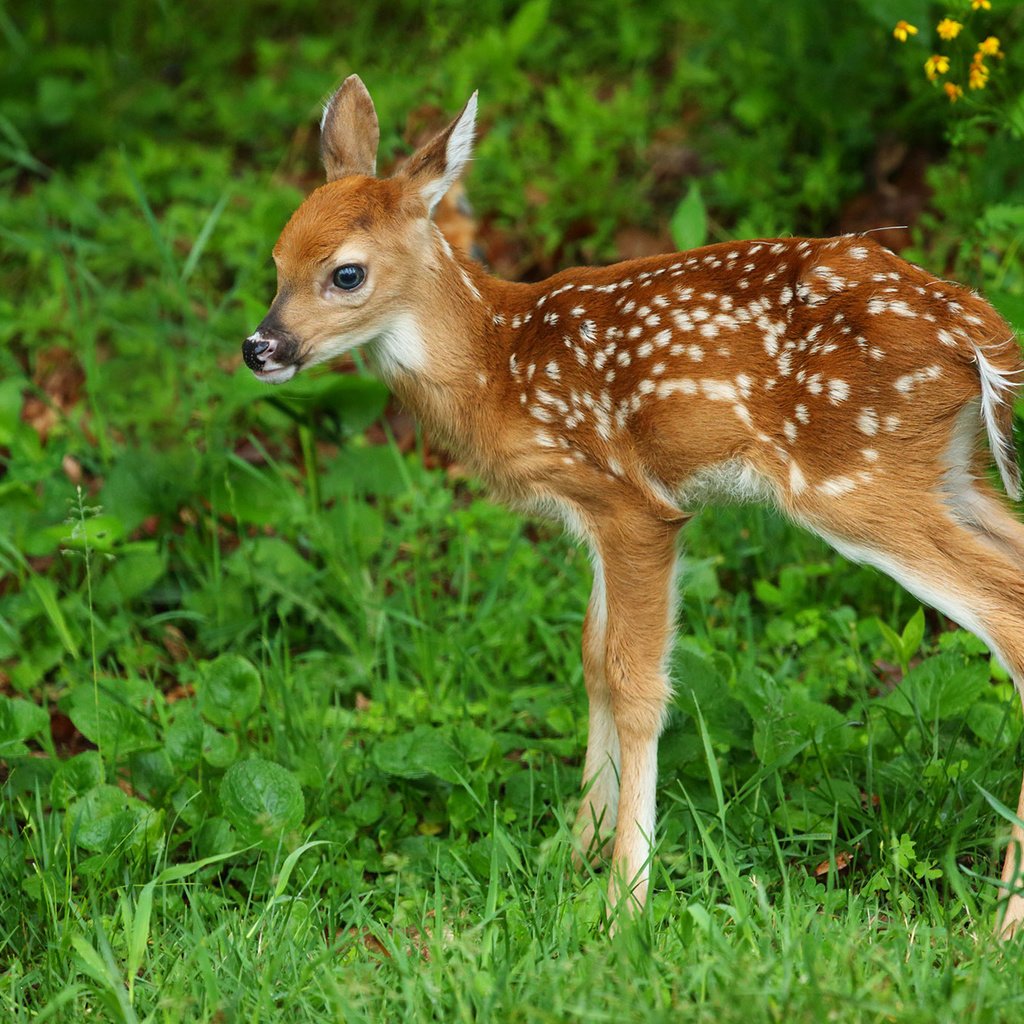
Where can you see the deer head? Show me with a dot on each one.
(354, 255)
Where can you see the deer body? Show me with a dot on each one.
(828, 377)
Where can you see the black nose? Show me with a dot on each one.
(252, 350)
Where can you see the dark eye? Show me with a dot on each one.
(349, 277)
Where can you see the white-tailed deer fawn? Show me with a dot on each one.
(826, 376)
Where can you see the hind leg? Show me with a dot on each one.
(1013, 876)
(971, 568)
(985, 511)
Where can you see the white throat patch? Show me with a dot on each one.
(401, 346)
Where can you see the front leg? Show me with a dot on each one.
(595, 821)
(639, 558)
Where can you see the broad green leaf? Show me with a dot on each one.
(940, 687)
(355, 526)
(106, 818)
(219, 749)
(374, 469)
(134, 571)
(147, 483)
(97, 533)
(699, 683)
(353, 400)
(262, 800)
(153, 772)
(368, 809)
(19, 721)
(76, 776)
(780, 736)
(108, 721)
(257, 496)
(184, 738)
(425, 750)
(228, 690)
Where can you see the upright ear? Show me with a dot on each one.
(436, 166)
(349, 132)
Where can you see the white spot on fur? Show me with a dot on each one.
(718, 391)
(867, 422)
(908, 381)
(682, 385)
(836, 486)
(838, 391)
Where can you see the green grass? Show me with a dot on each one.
(292, 718)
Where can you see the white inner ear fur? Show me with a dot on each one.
(457, 155)
(327, 110)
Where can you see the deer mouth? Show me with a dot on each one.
(273, 359)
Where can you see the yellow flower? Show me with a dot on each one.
(936, 65)
(902, 30)
(948, 28)
(990, 47)
(953, 91)
(981, 4)
(978, 75)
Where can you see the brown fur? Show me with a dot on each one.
(825, 375)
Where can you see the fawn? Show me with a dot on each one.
(827, 376)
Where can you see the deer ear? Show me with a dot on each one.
(349, 133)
(435, 167)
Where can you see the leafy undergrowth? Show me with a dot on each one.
(292, 717)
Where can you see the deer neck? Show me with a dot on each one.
(444, 357)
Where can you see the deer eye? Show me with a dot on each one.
(348, 277)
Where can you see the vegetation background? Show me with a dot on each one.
(291, 717)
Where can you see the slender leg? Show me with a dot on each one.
(638, 555)
(595, 822)
(1013, 877)
(965, 556)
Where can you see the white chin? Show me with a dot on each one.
(277, 374)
